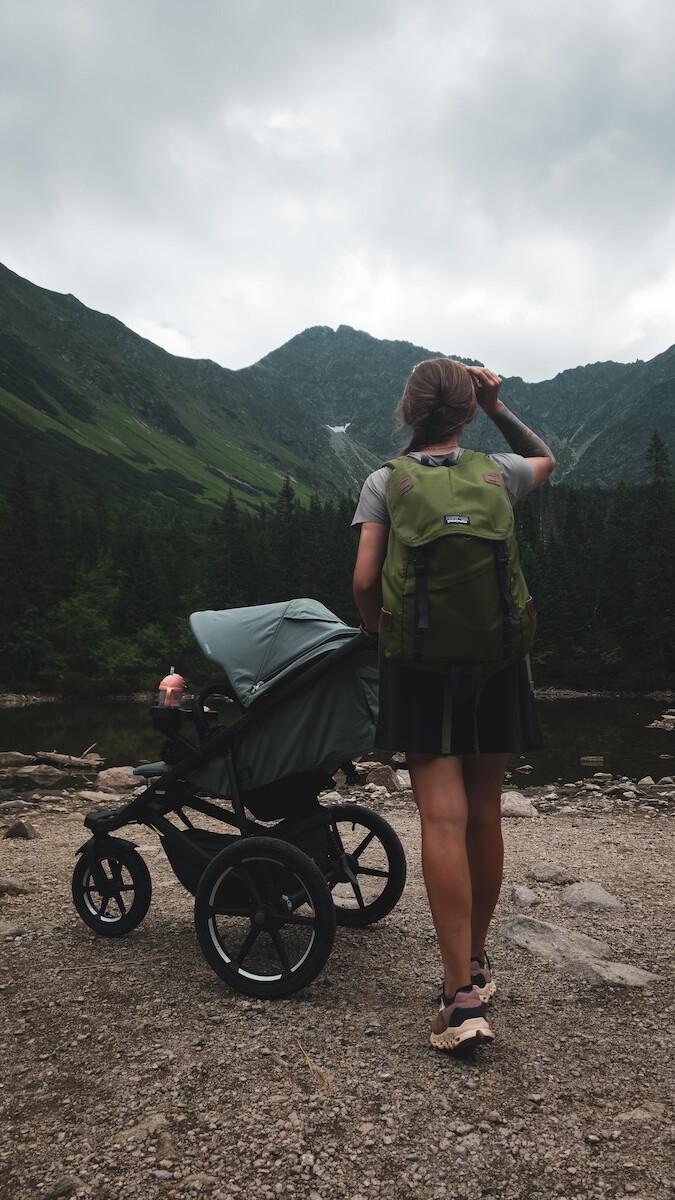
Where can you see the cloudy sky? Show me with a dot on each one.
(491, 178)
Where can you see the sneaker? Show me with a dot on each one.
(460, 1021)
(481, 978)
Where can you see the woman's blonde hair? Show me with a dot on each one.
(438, 400)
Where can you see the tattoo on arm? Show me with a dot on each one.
(521, 439)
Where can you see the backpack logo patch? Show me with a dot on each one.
(493, 479)
(404, 485)
(454, 520)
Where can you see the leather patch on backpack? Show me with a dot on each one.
(404, 485)
(530, 608)
(492, 479)
(386, 621)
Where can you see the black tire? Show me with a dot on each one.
(264, 917)
(366, 870)
(112, 888)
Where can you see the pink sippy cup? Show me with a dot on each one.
(171, 691)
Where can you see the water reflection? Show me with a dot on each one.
(614, 729)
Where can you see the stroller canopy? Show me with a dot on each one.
(319, 725)
(258, 647)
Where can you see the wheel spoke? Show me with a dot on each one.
(281, 951)
(355, 887)
(247, 878)
(247, 945)
(366, 842)
(372, 871)
(293, 919)
(227, 910)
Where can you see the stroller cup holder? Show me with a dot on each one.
(271, 889)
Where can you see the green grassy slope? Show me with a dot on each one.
(81, 393)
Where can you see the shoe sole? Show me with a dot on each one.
(470, 1033)
(486, 993)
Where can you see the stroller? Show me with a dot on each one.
(269, 892)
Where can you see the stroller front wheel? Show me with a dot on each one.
(264, 917)
(111, 888)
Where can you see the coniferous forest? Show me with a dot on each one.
(96, 591)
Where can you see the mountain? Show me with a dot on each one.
(597, 419)
(82, 395)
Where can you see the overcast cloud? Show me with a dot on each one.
(494, 178)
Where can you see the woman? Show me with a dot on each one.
(458, 794)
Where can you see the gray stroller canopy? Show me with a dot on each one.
(258, 646)
(321, 725)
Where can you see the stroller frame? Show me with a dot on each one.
(267, 899)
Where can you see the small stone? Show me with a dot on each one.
(589, 895)
(403, 778)
(383, 777)
(39, 775)
(514, 804)
(552, 941)
(63, 1187)
(22, 829)
(15, 806)
(646, 782)
(10, 929)
(524, 897)
(8, 887)
(548, 872)
(118, 779)
(615, 974)
(12, 758)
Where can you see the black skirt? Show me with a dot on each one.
(418, 713)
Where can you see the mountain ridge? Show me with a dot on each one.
(80, 389)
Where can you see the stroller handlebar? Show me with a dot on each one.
(197, 705)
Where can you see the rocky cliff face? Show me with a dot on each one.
(597, 419)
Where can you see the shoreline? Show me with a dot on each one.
(25, 699)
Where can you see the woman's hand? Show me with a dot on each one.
(487, 394)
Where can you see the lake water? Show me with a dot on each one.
(616, 729)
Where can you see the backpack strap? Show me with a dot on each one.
(421, 609)
(508, 605)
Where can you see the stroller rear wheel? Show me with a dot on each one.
(111, 888)
(366, 869)
(264, 917)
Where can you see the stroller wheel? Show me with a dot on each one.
(111, 888)
(366, 867)
(264, 917)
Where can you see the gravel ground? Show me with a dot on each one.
(130, 1069)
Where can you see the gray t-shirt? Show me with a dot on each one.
(517, 473)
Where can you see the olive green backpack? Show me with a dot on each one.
(454, 596)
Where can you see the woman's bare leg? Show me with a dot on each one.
(459, 801)
(439, 790)
(483, 778)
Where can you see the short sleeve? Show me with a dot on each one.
(517, 473)
(372, 505)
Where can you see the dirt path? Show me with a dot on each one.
(129, 1069)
